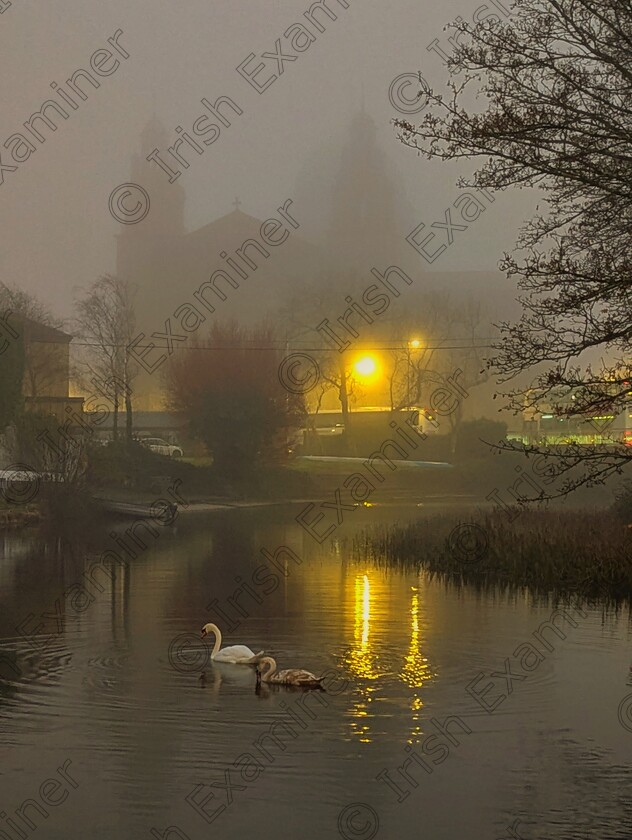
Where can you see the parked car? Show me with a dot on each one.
(161, 447)
(330, 431)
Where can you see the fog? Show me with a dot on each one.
(290, 140)
(297, 486)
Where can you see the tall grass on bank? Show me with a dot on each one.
(581, 552)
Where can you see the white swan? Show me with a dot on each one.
(234, 654)
(290, 676)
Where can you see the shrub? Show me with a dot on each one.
(623, 502)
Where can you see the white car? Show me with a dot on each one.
(161, 447)
(330, 431)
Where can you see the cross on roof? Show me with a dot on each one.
(236, 203)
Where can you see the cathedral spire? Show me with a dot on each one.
(166, 215)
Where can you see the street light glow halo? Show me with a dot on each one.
(365, 366)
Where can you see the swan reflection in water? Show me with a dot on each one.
(228, 675)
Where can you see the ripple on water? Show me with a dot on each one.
(146, 732)
(24, 667)
(586, 794)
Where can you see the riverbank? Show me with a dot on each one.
(132, 481)
(584, 552)
(14, 517)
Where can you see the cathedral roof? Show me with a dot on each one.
(235, 222)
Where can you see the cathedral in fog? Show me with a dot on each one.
(235, 267)
(311, 256)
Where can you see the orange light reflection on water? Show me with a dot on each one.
(360, 659)
(416, 671)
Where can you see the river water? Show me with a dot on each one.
(446, 717)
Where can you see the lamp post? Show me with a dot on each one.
(413, 344)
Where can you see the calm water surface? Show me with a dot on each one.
(98, 686)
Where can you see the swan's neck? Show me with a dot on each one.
(271, 667)
(218, 639)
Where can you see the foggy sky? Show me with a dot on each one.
(58, 233)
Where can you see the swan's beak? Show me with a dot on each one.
(203, 633)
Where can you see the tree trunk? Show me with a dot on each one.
(344, 404)
(128, 416)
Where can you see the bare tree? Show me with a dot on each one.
(106, 322)
(302, 316)
(27, 305)
(557, 80)
(443, 337)
(61, 459)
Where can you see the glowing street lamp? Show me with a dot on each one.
(366, 367)
(414, 344)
